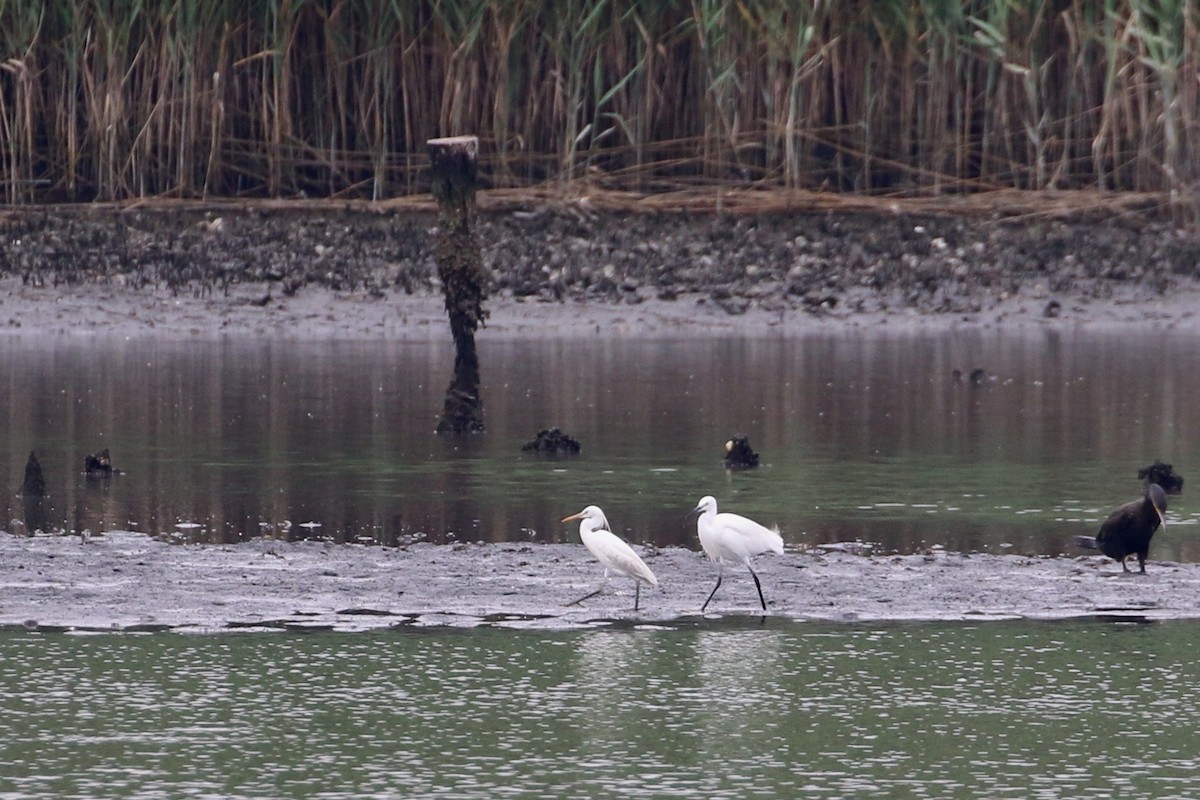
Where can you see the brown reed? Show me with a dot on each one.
(118, 99)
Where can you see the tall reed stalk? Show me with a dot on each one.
(102, 99)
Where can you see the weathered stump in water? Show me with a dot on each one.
(1164, 475)
(33, 497)
(739, 454)
(460, 268)
(34, 484)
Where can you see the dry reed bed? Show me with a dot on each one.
(335, 98)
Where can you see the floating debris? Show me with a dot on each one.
(311, 529)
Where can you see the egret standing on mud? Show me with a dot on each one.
(1128, 530)
(613, 553)
(731, 537)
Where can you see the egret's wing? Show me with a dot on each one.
(616, 554)
(753, 537)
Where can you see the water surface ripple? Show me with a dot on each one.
(719, 710)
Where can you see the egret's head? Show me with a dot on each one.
(706, 504)
(592, 514)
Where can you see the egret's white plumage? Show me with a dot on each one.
(613, 553)
(732, 537)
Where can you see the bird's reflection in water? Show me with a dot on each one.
(741, 679)
(609, 666)
(627, 690)
(742, 666)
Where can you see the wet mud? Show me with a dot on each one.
(332, 270)
(130, 582)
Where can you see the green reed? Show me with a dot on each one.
(114, 99)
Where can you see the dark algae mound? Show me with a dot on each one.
(552, 442)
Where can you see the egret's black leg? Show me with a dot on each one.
(757, 586)
(710, 594)
(637, 594)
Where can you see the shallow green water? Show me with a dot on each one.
(730, 710)
(863, 436)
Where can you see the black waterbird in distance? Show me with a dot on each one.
(739, 454)
(1128, 529)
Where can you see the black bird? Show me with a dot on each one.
(739, 454)
(1128, 530)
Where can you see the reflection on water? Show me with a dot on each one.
(995, 710)
(863, 436)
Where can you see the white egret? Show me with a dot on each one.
(731, 537)
(613, 553)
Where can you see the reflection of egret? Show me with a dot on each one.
(613, 553)
(721, 673)
(731, 537)
(1129, 528)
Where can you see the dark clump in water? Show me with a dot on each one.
(1164, 475)
(99, 465)
(739, 454)
(552, 442)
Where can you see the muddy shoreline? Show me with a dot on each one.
(324, 270)
(130, 582)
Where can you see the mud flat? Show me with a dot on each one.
(320, 270)
(131, 582)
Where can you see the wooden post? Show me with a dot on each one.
(34, 484)
(460, 268)
(33, 497)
